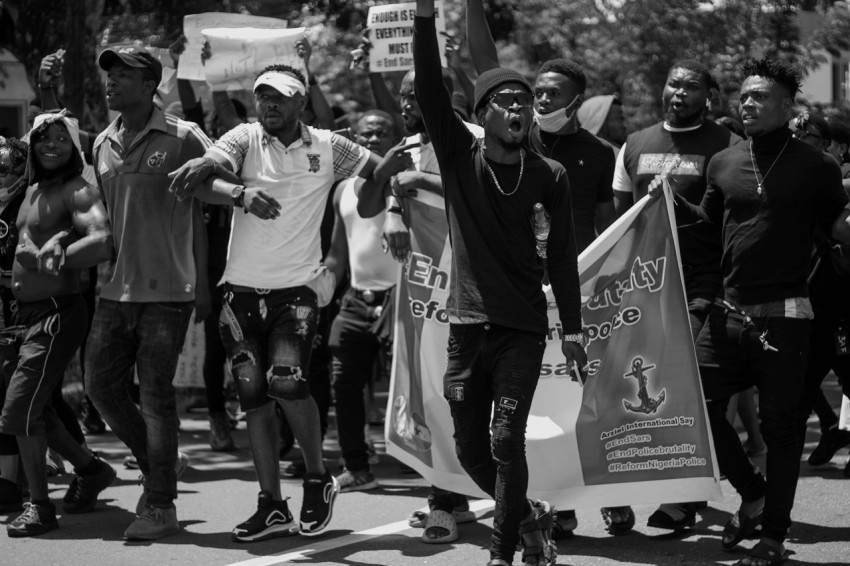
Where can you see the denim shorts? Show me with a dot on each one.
(268, 336)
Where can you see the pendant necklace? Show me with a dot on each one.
(496, 181)
(760, 187)
(551, 150)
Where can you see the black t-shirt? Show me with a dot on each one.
(768, 239)
(590, 166)
(650, 152)
(495, 268)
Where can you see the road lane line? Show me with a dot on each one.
(479, 507)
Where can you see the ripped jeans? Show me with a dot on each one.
(494, 368)
(268, 337)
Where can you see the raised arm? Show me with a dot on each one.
(48, 72)
(482, 47)
(463, 81)
(321, 108)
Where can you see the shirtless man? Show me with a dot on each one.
(63, 229)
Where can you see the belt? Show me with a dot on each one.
(369, 296)
(243, 289)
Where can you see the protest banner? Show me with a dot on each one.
(191, 66)
(635, 433)
(239, 54)
(390, 29)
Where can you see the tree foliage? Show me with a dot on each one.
(625, 46)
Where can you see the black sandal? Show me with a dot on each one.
(622, 527)
(767, 552)
(538, 549)
(739, 527)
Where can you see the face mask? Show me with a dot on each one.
(555, 121)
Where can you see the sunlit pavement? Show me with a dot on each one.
(370, 528)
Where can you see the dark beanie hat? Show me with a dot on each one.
(489, 81)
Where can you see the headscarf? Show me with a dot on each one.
(41, 123)
(593, 112)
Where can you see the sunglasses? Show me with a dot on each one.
(506, 98)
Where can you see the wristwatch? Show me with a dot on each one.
(238, 195)
(578, 338)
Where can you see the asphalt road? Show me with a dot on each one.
(370, 528)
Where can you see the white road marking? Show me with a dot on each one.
(479, 507)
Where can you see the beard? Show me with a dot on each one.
(414, 124)
(678, 120)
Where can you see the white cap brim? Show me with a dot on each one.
(284, 83)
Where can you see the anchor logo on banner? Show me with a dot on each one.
(648, 405)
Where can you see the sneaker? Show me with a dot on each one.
(317, 507)
(11, 498)
(37, 519)
(831, 441)
(180, 467)
(55, 464)
(153, 523)
(358, 480)
(271, 520)
(91, 420)
(294, 470)
(82, 493)
(220, 437)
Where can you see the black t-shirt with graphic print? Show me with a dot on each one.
(650, 152)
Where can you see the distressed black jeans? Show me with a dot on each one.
(494, 369)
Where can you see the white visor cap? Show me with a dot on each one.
(284, 83)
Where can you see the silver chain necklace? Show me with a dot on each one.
(760, 187)
(496, 181)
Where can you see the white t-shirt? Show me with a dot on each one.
(370, 267)
(284, 252)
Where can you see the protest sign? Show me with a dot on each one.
(191, 67)
(239, 54)
(635, 433)
(391, 33)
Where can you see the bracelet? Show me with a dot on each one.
(49, 86)
(578, 338)
(395, 210)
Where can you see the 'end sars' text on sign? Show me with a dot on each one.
(391, 32)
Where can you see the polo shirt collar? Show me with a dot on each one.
(306, 138)
(155, 122)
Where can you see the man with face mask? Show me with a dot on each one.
(558, 94)
(683, 144)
